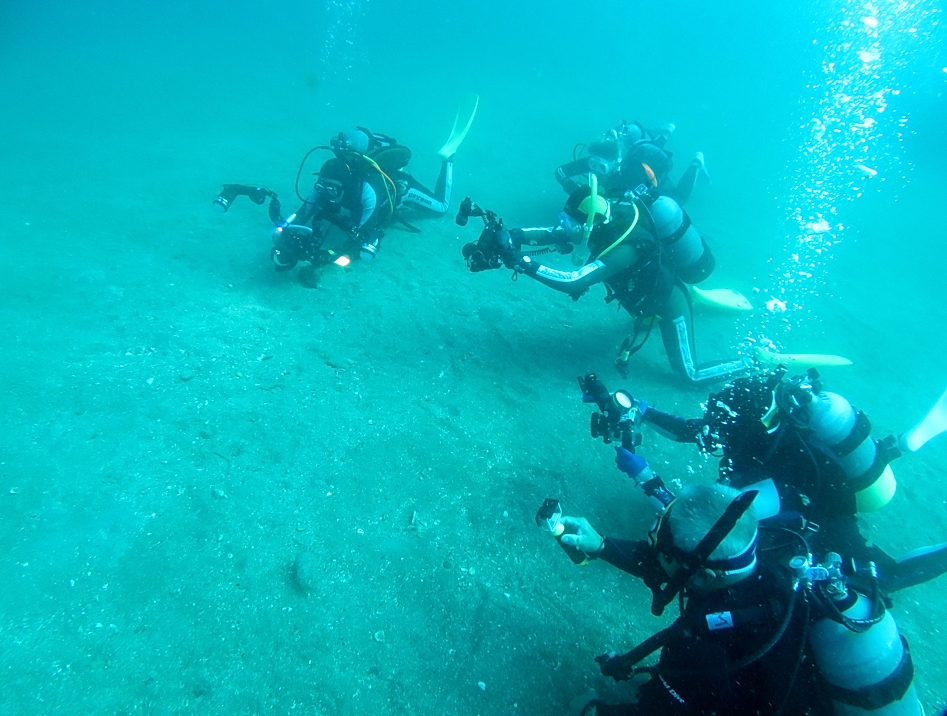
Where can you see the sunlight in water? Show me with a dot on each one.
(341, 51)
(849, 141)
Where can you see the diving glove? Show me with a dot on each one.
(615, 666)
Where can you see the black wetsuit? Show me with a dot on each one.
(809, 484)
(638, 276)
(733, 651)
(631, 174)
(365, 206)
(368, 203)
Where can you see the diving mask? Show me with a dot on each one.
(329, 189)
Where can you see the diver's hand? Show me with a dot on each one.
(628, 462)
(582, 535)
(524, 264)
(615, 665)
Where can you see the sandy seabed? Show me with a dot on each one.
(224, 492)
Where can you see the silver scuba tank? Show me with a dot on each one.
(869, 671)
(844, 435)
(687, 251)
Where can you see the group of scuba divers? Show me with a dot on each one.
(784, 604)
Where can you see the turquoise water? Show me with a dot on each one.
(223, 492)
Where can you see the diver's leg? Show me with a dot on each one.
(437, 200)
(685, 185)
(661, 135)
(677, 332)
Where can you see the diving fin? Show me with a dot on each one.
(725, 298)
(921, 565)
(465, 117)
(933, 424)
(800, 360)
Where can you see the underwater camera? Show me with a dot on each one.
(549, 517)
(616, 421)
(495, 246)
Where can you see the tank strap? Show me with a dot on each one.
(691, 562)
(878, 695)
(860, 430)
(681, 230)
(871, 475)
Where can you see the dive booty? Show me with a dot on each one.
(687, 251)
(844, 434)
(870, 672)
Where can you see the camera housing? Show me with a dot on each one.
(618, 412)
(494, 248)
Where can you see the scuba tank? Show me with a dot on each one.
(687, 251)
(844, 435)
(858, 649)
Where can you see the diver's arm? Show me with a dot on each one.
(371, 213)
(540, 236)
(674, 427)
(574, 283)
(306, 210)
(634, 557)
(567, 173)
(373, 209)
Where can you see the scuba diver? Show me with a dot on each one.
(644, 250)
(359, 191)
(810, 453)
(626, 157)
(762, 628)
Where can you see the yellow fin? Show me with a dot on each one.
(800, 360)
(465, 118)
(725, 298)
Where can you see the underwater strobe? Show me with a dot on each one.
(257, 194)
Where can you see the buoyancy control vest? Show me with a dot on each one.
(644, 286)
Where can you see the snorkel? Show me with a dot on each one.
(590, 216)
(581, 252)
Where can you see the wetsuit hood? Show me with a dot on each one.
(644, 153)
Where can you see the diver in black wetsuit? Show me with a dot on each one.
(626, 157)
(761, 630)
(359, 192)
(644, 250)
(814, 451)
